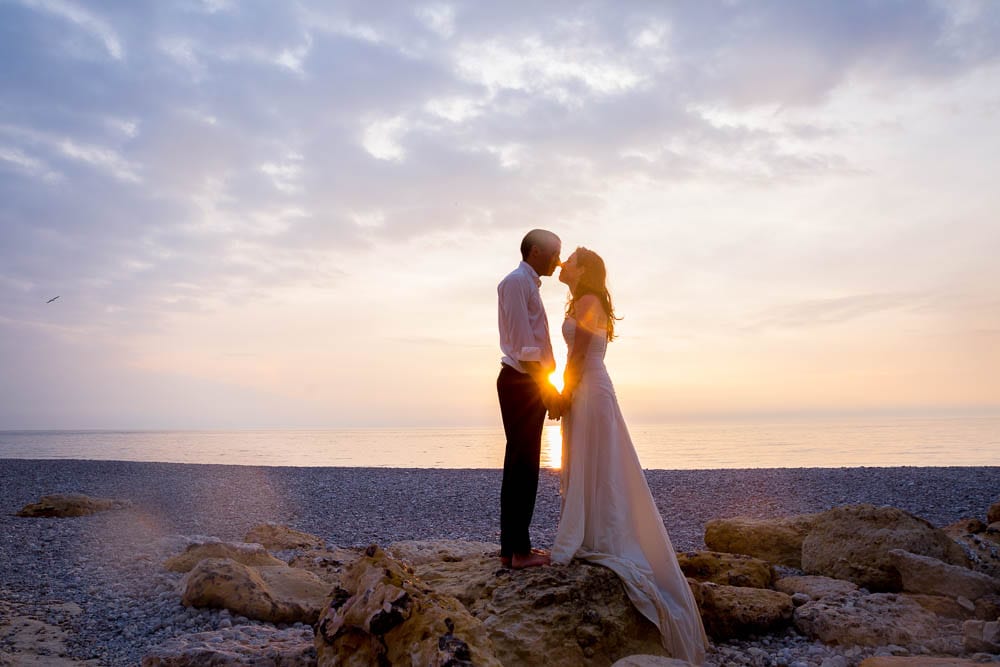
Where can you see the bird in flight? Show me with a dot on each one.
(52, 299)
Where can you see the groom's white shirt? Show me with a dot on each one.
(524, 328)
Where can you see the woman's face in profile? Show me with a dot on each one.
(570, 272)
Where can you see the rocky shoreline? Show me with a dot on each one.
(98, 585)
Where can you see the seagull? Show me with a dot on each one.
(52, 299)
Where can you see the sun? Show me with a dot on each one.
(556, 378)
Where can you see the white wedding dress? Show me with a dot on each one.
(608, 513)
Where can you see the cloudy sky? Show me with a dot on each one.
(295, 215)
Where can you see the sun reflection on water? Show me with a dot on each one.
(552, 446)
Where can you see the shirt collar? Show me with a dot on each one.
(531, 272)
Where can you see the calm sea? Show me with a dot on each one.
(973, 441)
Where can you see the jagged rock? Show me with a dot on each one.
(279, 538)
(327, 564)
(853, 543)
(993, 513)
(573, 614)
(419, 552)
(777, 541)
(383, 615)
(922, 574)
(576, 614)
(733, 611)
(247, 554)
(916, 661)
(815, 587)
(253, 646)
(650, 661)
(62, 505)
(727, 569)
(982, 636)
(868, 620)
(274, 593)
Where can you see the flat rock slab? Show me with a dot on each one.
(878, 619)
(29, 642)
(252, 645)
(62, 505)
(815, 586)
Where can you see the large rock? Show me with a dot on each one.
(853, 543)
(993, 513)
(815, 587)
(726, 569)
(922, 574)
(247, 554)
(868, 620)
(777, 541)
(69, 505)
(276, 593)
(251, 645)
(383, 615)
(576, 614)
(733, 611)
(279, 538)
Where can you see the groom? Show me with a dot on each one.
(525, 392)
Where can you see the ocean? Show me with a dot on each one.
(966, 441)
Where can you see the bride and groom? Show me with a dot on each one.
(608, 514)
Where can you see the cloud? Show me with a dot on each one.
(161, 160)
(83, 20)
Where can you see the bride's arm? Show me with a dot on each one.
(587, 317)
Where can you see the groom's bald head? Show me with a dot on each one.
(542, 238)
(540, 249)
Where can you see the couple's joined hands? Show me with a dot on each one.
(558, 404)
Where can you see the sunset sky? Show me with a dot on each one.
(293, 214)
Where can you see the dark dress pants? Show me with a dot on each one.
(523, 418)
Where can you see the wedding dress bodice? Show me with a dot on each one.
(598, 343)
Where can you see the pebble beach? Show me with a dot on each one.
(99, 577)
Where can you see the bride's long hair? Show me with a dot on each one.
(593, 280)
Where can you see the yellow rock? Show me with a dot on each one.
(726, 569)
(278, 538)
(247, 554)
(276, 593)
(70, 505)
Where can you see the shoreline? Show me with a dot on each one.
(109, 563)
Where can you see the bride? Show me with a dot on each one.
(608, 513)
